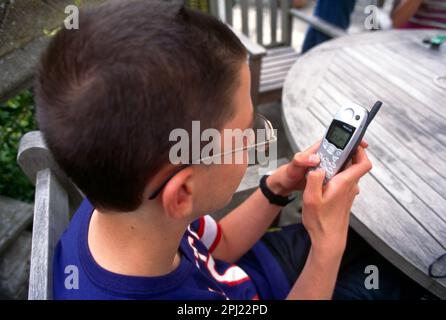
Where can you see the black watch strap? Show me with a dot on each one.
(271, 196)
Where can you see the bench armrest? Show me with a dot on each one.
(255, 50)
(319, 24)
(51, 217)
(34, 156)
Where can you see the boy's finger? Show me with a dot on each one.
(314, 186)
(303, 159)
(313, 148)
(348, 164)
(364, 144)
(307, 158)
(361, 165)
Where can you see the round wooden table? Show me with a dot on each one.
(401, 210)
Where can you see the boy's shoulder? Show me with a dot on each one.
(76, 275)
(68, 271)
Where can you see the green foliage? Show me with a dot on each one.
(16, 118)
(202, 5)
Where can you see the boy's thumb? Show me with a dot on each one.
(315, 182)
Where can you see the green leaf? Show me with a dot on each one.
(16, 119)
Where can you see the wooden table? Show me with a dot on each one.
(401, 210)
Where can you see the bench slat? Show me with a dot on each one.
(14, 268)
(51, 216)
(15, 216)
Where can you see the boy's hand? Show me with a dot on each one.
(326, 210)
(291, 177)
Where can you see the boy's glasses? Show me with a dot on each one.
(255, 139)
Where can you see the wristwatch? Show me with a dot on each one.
(271, 196)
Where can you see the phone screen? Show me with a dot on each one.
(339, 136)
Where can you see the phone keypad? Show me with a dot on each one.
(329, 155)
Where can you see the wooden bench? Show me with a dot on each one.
(15, 247)
(55, 199)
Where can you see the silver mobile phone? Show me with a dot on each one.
(343, 137)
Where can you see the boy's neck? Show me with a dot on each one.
(137, 243)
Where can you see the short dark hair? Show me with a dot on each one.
(109, 93)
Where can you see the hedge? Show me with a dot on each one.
(16, 119)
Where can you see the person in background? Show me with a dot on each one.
(335, 12)
(419, 14)
(299, 3)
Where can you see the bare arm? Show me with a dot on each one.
(318, 278)
(246, 224)
(405, 10)
(326, 215)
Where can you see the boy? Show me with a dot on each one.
(108, 96)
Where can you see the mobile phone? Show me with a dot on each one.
(343, 137)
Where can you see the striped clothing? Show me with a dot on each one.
(431, 14)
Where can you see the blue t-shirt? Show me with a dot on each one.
(76, 275)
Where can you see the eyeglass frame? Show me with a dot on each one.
(273, 138)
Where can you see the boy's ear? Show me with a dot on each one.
(177, 196)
